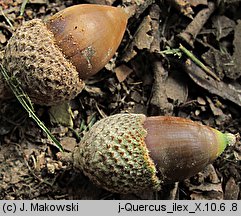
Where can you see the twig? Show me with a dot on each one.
(193, 29)
(26, 103)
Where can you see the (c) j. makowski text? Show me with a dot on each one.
(73, 207)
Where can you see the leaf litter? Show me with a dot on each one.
(141, 78)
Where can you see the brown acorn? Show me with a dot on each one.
(127, 153)
(51, 58)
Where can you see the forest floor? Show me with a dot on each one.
(149, 74)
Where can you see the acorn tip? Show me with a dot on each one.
(231, 139)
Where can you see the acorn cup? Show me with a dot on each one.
(50, 59)
(127, 153)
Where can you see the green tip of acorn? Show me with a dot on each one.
(224, 140)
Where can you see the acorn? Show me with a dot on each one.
(51, 58)
(128, 153)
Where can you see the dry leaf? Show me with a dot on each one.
(61, 114)
(142, 39)
(223, 26)
(228, 91)
(231, 190)
(122, 72)
(68, 143)
(237, 50)
(207, 185)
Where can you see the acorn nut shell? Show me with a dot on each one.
(51, 58)
(127, 153)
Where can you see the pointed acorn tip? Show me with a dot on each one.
(231, 139)
(224, 140)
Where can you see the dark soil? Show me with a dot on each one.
(146, 76)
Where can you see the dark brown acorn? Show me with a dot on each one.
(51, 58)
(127, 153)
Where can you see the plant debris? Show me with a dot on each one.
(149, 74)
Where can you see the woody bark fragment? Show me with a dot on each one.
(190, 33)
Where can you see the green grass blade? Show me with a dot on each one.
(23, 7)
(26, 103)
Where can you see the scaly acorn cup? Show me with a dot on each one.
(51, 58)
(127, 153)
